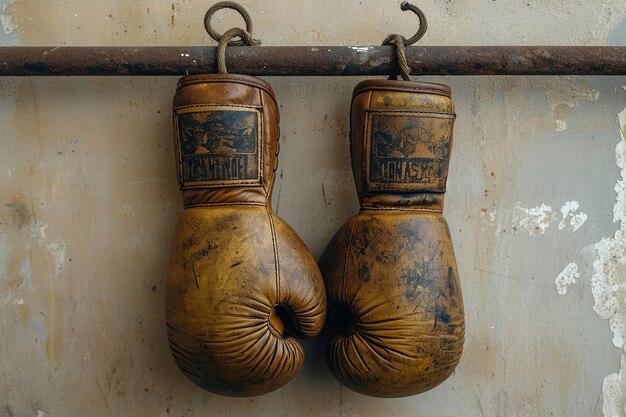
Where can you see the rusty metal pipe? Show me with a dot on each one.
(318, 60)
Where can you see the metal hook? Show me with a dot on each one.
(423, 24)
(227, 5)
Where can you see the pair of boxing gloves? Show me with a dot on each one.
(242, 284)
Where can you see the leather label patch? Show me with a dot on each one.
(407, 151)
(218, 146)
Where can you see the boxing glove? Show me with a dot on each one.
(241, 282)
(391, 276)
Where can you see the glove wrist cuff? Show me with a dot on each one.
(413, 201)
(226, 139)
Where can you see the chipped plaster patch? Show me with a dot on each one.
(8, 299)
(57, 250)
(577, 220)
(534, 220)
(560, 125)
(569, 216)
(6, 19)
(608, 284)
(564, 99)
(614, 393)
(609, 269)
(567, 277)
(491, 215)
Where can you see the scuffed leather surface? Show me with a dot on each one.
(395, 303)
(241, 282)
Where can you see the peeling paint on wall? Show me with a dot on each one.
(6, 19)
(564, 100)
(56, 249)
(534, 220)
(567, 277)
(575, 220)
(608, 284)
(50, 258)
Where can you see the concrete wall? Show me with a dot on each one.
(536, 202)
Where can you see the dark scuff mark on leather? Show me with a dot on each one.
(188, 243)
(363, 242)
(387, 257)
(364, 273)
(413, 280)
(441, 313)
(452, 289)
(195, 275)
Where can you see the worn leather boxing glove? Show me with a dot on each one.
(241, 282)
(391, 277)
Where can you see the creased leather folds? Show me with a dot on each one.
(241, 282)
(395, 304)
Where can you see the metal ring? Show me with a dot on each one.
(423, 23)
(227, 5)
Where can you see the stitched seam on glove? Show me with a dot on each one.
(276, 260)
(273, 329)
(191, 106)
(365, 208)
(267, 188)
(400, 88)
(228, 78)
(345, 268)
(225, 204)
(441, 114)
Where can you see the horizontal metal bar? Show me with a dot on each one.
(319, 60)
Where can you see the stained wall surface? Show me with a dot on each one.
(536, 202)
